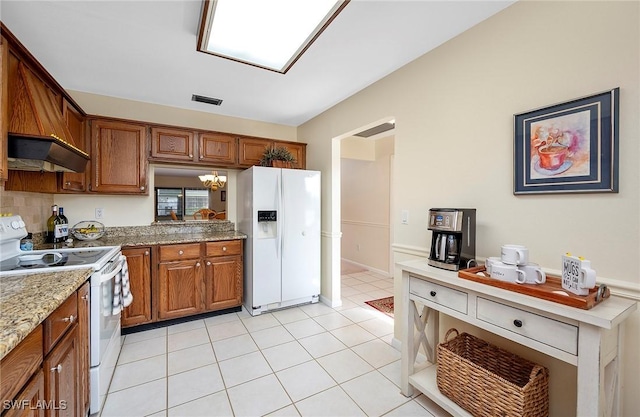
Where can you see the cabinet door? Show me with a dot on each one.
(4, 107)
(118, 158)
(217, 148)
(83, 348)
(223, 282)
(299, 151)
(250, 150)
(172, 144)
(34, 394)
(139, 263)
(179, 289)
(61, 377)
(71, 181)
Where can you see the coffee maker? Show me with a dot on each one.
(453, 239)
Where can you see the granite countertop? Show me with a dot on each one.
(26, 300)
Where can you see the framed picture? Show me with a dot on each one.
(223, 195)
(570, 147)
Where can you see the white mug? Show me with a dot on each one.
(514, 254)
(587, 278)
(489, 262)
(533, 273)
(507, 273)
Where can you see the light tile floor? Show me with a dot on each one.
(310, 360)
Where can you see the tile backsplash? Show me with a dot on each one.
(35, 208)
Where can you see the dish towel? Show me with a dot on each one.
(122, 296)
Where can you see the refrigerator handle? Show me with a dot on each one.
(280, 216)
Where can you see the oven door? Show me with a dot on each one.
(105, 335)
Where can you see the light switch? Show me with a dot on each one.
(405, 217)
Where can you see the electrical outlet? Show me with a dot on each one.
(99, 213)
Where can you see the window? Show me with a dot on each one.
(183, 202)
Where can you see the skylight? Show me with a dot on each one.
(269, 34)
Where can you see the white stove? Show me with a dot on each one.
(107, 264)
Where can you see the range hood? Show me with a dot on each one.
(39, 139)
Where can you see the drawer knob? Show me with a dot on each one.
(517, 323)
(69, 319)
(57, 369)
(224, 249)
(433, 293)
(180, 252)
(208, 263)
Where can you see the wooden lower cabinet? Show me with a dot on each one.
(139, 264)
(179, 288)
(29, 402)
(83, 347)
(209, 279)
(61, 376)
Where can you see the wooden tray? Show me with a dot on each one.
(551, 290)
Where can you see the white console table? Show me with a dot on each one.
(588, 339)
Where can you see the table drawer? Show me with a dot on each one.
(179, 252)
(58, 322)
(225, 247)
(545, 330)
(448, 297)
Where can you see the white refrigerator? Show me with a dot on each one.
(279, 211)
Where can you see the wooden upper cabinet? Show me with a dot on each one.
(118, 157)
(250, 151)
(76, 122)
(172, 144)
(4, 107)
(217, 148)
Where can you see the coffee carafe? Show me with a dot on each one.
(453, 240)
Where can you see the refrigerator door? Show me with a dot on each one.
(300, 234)
(266, 251)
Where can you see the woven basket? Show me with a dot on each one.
(488, 381)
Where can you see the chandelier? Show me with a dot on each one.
(213, 181)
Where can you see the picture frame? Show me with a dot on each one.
(570, 147)
(223, 195)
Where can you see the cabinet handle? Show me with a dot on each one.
(517, 323)
(69, 319)
(433, 293)
(198, 264)
(146, 253)
(57, 369)
(180, 252)
(190, 155)
(208, 263)
(201, 157)
(224, 249)
(85, 297)
(142, 188)
(67, 183)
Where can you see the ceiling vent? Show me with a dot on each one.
(376, 130)
(208, 100)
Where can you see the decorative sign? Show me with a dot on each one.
(577, 275)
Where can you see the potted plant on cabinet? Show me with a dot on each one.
(277, 156)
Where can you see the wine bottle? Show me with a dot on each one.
(51, 225)
(64, 225)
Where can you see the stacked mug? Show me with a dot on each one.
(513, 266)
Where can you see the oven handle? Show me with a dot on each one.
(115, 271)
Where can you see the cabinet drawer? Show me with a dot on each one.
(226, 247)
(60, 321)
(545, 330)
(445, 296)
(179, 252)
(17, 367)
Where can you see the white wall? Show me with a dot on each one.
(454, 112)
(365, 202)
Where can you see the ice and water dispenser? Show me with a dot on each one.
(267, 224)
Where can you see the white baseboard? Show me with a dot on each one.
(367, 267)
(329, 302)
